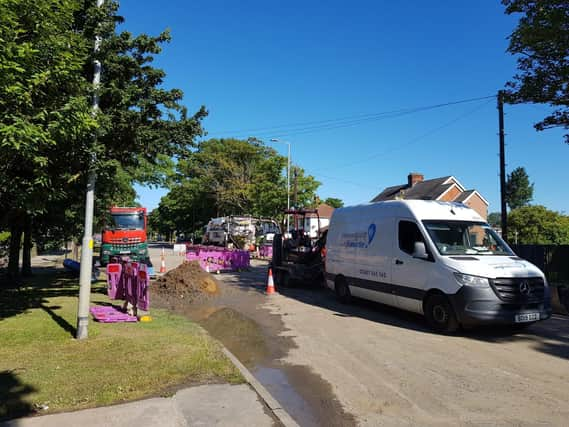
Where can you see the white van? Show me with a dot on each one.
(434, 258)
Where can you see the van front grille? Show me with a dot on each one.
(519, 290)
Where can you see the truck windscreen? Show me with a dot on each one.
(128, 222)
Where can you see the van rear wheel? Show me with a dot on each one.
(342, 291)
(440, 314)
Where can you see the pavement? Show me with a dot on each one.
(206, 405)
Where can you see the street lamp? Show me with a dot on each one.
(287, 178)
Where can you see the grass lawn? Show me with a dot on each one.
(44, 369)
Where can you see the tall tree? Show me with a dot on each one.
(42, 107)
(229, 177)
(519, 191)
(46, 126)
(541, 43)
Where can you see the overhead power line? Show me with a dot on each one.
(329, 124)
(408, 142)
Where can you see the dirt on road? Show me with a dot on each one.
(187, 283)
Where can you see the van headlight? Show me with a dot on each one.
(475, 281)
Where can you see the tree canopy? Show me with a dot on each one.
(541, 44)
(230, 177)
(519, 191)
(538, 225)
(334, 202)
(48, 134)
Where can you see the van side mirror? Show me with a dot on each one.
(419, 251)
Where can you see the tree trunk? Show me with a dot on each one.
(15, 241)
(27, 254)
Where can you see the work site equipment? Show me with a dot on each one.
(297, 257)
(129, 281)
(125, 235)
(241, 232)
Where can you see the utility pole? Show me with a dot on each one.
(87, 245)
(504, 212)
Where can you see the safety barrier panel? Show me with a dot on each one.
(215, 259)
(129, 281)
(266, 251)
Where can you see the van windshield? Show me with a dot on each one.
(465, 238)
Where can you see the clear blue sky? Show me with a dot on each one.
(263, 64)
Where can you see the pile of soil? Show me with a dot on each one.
(186, 282)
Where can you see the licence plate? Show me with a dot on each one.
(124, 252)
(527, 317)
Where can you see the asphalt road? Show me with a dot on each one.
(385, 367)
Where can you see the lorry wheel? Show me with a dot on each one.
(440, 314)
(342, 291)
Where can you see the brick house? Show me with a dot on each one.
(444, 189)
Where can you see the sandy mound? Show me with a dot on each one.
(188, 282)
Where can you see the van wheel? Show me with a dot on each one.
(342, 291)
(440, 314)
(285, 280)
(282, 279)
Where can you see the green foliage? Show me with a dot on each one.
(541, 44)
(538, 225)
(334, 202)
(229, 177)
(43, 108)
(495, 219)
(519, 191)
(49, 138)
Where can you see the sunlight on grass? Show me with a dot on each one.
(41, 364)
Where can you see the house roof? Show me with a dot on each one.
(429, 189)
(468, 194)
(464, 196)
(324, 211)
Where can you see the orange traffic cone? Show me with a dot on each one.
(162, 263)
(270, 283)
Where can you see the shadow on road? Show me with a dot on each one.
(12, 394)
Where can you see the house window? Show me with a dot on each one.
(409, 233)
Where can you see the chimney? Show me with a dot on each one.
(413, 178)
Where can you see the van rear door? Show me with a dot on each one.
(409, 274)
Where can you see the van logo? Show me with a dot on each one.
(525, 288)
(370, 233)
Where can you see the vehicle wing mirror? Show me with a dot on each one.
(420, 251)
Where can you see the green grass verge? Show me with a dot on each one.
(43, 366)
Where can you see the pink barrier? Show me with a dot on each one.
(105, 314)
(217, 259)
(266, 251)
(129, 281)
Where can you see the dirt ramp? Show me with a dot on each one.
(186, 282)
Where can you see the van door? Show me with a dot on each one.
(409, 275)
(372, 265)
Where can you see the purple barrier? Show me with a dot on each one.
(266, 251)
(129, 281)
(216, 259)
(107, 314)
(113, 279)
(143, 283)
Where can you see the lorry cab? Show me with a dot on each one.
(434, 258)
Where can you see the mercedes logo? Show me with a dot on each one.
(525, 288)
